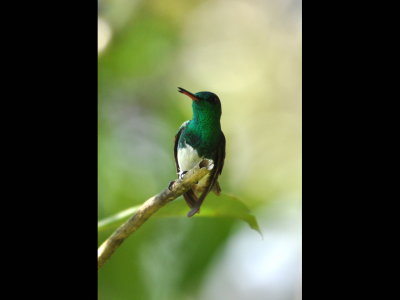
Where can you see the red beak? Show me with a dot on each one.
(187, 93)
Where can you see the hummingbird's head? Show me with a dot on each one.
(203, 100)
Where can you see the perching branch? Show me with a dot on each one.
(148, 208)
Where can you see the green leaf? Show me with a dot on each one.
(223, 206)
(116, 219)
(214, 206)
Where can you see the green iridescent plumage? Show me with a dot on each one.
(201, 138)
(203, 132)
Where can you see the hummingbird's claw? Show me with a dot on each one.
(171, 183)
(207, 163)
(182, 174)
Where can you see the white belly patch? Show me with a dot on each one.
(187, 158)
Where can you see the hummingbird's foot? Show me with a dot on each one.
(207, 163)
(182, 174)
(171, 183)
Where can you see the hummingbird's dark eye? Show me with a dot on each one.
(215, 98)
(211, 98)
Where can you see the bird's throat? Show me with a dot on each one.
(206, 120)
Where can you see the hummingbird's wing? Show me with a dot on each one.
(222, 154)
(177, 136)
(215, 187)
(212, 180)
(189, 196)
(176, 148)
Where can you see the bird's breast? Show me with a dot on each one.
(187, 158)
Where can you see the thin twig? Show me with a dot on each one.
(148, 208)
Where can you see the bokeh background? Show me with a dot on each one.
(248, 53)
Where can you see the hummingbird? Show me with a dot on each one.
(197, 139)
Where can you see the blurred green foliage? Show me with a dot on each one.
(246, 52)
(222, 206)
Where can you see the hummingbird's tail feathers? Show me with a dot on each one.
(199, 202)
(190, 198)
(216, 188)
(193, 211)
